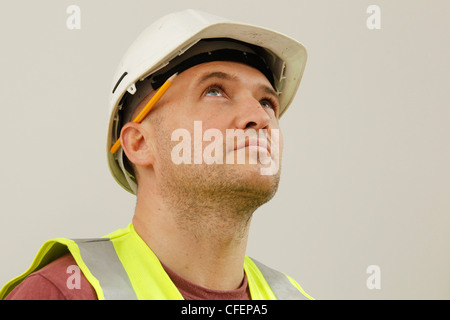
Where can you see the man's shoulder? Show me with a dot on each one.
(59, 280)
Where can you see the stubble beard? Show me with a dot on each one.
(213, 198)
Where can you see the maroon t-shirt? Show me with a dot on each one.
(51, 283)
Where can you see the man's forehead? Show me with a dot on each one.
(231, 71)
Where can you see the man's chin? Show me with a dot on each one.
(248, 179)
(233, 183)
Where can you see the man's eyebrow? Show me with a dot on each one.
(217, 74)
(270, 91)
(225, 76)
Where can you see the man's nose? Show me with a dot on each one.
(250, 114)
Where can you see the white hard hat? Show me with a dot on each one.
(180, 40)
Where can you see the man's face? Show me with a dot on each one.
(223, 110)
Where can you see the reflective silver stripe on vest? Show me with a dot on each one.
(102, 261)
(279, 283)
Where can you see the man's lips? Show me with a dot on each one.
(253, 144)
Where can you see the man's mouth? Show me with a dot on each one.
(253, 144)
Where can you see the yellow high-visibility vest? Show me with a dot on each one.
(122, 266)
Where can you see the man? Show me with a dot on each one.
(198, 164)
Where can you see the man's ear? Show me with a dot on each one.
(135, 144)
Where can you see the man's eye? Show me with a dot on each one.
(267, 104)
(213, 92)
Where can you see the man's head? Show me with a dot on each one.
(228, 109)
(251, 76)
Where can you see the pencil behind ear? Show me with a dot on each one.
(148, 106)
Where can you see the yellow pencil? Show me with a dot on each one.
(141, 116)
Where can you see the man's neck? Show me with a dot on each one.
(201, 244)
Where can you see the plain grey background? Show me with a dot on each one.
(365, 177)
